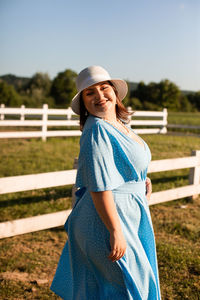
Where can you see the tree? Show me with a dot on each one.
(194, 99)
(64, 87)
(185, 104)
(141, 92)
(135, 104)
(126, 100)
(17, 82)
(36, 91)
(169, 96)
(39, 85)
(8, 95)
(158, 95)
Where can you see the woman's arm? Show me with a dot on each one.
(148, 188)
(105, 206)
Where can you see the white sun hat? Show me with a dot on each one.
(93, 75)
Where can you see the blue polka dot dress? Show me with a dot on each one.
(109, 160)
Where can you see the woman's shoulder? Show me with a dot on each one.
(94, 129)
(92, 124)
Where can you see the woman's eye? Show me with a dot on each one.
(89, 93)
(104, 87)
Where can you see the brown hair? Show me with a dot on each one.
(121, 111)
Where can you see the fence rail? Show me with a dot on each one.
(69, 121)
(183, 126)
(61, 178)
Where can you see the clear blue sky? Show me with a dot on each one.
(136, 40)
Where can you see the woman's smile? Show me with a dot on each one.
(101, 102)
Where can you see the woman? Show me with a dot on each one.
(110, 253)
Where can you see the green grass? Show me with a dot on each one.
(33, 203)
(177, 230)
(192, 118)
(28, 262)
(31, 156)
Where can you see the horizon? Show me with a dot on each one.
(135, 82)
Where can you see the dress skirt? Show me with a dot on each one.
(89, 274)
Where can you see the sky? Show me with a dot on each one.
(135, 40)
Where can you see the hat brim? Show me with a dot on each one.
(120, 85)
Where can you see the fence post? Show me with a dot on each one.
(164, 127)
(22, 112)
(44, 122)
(69, 114)
(129, 108)
(2, 114)
(194, 175)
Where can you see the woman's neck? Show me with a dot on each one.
(111, 117)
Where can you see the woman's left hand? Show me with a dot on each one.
(148, 188)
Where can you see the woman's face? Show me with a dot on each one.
(100, 100)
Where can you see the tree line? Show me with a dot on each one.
(40, 89)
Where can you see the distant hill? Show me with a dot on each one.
(19, 82)
(16, 81)
(185, 93)
(133, 86)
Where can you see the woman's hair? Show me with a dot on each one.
(121, 111)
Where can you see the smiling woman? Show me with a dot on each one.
(110, 252)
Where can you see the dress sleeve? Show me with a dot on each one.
(102, 163)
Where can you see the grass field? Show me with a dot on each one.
(28, 262)
(181, 118)
(192, 118)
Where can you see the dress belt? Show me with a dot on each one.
(131, 187)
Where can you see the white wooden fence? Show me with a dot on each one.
(53, 179)
(67, 114)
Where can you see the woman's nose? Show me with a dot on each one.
(98, 94)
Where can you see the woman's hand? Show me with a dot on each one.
(148, 188)
(118, 245)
